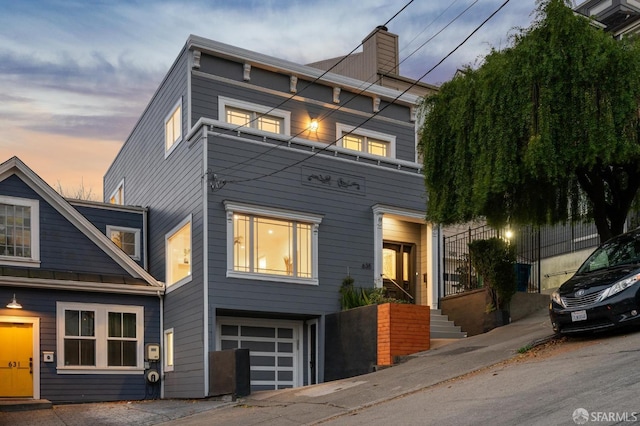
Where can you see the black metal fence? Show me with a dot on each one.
(532, 245)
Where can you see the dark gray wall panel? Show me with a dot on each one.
(172, 190)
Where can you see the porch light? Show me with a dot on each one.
(313, 125)
(14, 303)
(508, 234)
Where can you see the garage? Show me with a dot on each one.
(274, 346)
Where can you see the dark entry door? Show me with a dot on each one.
(399, 270)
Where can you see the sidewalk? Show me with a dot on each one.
(311, 404)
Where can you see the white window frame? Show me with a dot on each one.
(170, 147)
(168, 352)
(224, 102)
(273, 213)
(341, 129)
(167, 257)
(34, 260)
(117, 196)
(101, 328)
(134, 231)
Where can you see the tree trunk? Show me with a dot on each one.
(611, 190)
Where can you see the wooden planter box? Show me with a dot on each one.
(402, 330)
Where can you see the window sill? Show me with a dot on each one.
(111, 370)
(273, 278)
(178, 284)
(17, 261)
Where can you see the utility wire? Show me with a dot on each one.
(344, 58)
(386, 106)
(363, 89)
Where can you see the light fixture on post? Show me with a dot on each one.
(14, 303)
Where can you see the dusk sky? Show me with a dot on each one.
(75, 75)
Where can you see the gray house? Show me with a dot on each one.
(77, 309)
(267, 183)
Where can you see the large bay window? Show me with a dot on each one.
(19, 231)
(178, 254)
(94, 337)
(366, 141)
(271, 244)
(246, 114)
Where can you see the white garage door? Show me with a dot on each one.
(274, 349)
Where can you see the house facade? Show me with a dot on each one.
(78, 309)
(266, 184)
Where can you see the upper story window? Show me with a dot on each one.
(178, 254)
(94, 337)
(241, 113)
(173, 128)
(271, 244)
(117, 197)
(128, 239)
(366, 141)
(19, 231)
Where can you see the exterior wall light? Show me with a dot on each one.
(313, 125)
(14, 303)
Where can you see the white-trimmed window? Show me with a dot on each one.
(128, 239)
(366, 141)
(241, 113)
(271, 244)
(173, 128)
(19, 231)
(168, 350)
(178, 253)
(95, 337)
(117, 197)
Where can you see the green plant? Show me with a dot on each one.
(494, 260)
(353, 297)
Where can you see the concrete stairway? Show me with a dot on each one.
(443, 328)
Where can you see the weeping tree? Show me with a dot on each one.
(544, 131)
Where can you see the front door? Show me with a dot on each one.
(399, 270)
(16, 360)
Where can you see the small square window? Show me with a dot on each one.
(128, 239)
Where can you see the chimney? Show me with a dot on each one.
(380, 49)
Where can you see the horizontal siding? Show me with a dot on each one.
(103, 217)
(63, 247)
(171, 188)
(345, 234)
(63, 388)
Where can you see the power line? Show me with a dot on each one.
(386, 106)
(314, 80)
(343, 104)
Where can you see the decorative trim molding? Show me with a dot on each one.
(196, 59)
(324, 179)
(247, 72)
(376, 104)
(293, 84)
(336, 95)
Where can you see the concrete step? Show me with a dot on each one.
(22, 404)
(442, 328)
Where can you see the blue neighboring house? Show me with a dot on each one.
(77, 307)
(267, 183)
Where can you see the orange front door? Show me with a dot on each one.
(16, 360)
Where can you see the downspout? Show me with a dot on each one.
(162, 352)
(205, 258)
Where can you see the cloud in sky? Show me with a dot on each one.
(75, 75)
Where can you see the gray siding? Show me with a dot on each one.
(345, 234)
(63, 247)
(172, 190)
(103, 217)
(64, 388)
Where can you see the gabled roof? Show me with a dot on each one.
(14, 166)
